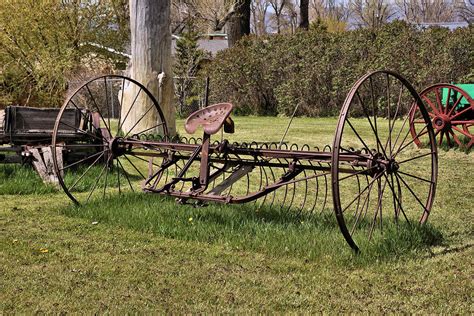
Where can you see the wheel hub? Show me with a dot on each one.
(116, 147)
(379, 164)
(442, 122)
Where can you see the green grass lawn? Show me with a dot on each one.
(143, 252)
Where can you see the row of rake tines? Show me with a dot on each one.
(302, 194)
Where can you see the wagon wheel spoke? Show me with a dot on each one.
(378, 209)
(455, 105)
(432, 106)
(363, 209)
(461, 131)
(397, 199)
(438, 101)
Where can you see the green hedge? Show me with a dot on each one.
(270, 75)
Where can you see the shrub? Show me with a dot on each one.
(272, 74)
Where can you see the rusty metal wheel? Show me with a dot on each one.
(400, 190)
(95, 137)
(451, 111)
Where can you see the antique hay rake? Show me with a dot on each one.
(375, 172)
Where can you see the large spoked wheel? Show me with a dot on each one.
(400, 179)
(96, 152)
(451, 111)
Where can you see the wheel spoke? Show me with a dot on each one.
(98, 179)
(365, 205)
(441, 138)
(118, 176)
(82, 160)
(129, 109)
(374, 109)
(80, 130)
(379, 144)
(138, 157)
(411, 191)
(456, 139)
(126, 175)
(438, 99)
(461, 131)
(461, 113)
(121, 105)
(107, 105)
(435, 110)
(87, 170)
(150, 128)
(106, 175)
(393, 199)
(379, 207)
(389, 139)
(415, 177)
(447, 101)
(417, 157)
(136, 123)
(399, 133)
(360, 193)
(98, 109)
(400, 148)
(141, 174)
(358, 136)
(398, 201)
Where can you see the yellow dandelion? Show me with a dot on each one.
(15, 240)
(44, 250)
(190, 219)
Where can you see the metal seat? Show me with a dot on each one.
(210, 118)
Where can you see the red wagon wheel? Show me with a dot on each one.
(451, 111)
(96, 132)
(468, 129)
(400, 190)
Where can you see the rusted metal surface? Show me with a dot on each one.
(210, 118)
(368, 169)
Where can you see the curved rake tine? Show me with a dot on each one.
(325, 191)
(316, 193)
(260, 184)
(266, 184)
(292, 197)
(274, 192)
(358, 188)
(286, 187)
(305, 194)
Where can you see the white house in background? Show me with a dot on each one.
(211, 43)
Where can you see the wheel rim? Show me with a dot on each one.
(468, 129)
(400, 179)
(449, 108)
(91, 158)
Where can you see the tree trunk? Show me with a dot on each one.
(304, 18)
(239, 24)
(151, 56)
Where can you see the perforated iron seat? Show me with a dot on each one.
(210, 118)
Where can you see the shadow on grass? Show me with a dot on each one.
(314, 237)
